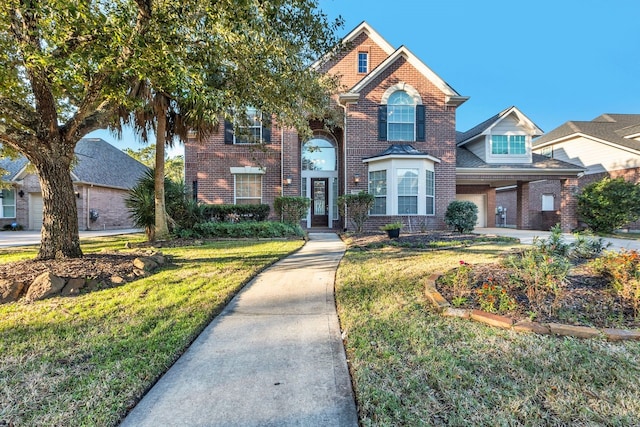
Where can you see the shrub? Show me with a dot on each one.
(291, 209)
(356, 207)
(235, 213)
(623, 270)
(246, 229)
(609, 204)
(392, 226)
(461, 215)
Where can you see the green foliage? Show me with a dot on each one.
(493, 298)
(248, 229)
(609, 204)
(183, 211)
(461, 215)
(173, 166)
(237, 213)
(291, 209)
(356, 208)
(392, 226)
(623, 269)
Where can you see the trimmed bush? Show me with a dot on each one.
(291, 209)
(461, 215)
(356, 207)
(246, 229)
(235, 213)
(609, 204)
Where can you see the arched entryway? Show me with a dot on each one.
(320, 179)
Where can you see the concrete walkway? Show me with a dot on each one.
(526, 237)
(273, 357)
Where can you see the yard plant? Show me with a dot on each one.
(86, 360)
(413, 367)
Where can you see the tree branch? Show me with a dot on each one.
(20, 113)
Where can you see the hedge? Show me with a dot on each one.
(235, 213)
(264, 229)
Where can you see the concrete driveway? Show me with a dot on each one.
(25, 238)
(526, 237)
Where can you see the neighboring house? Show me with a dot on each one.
(608, 145)
(102, 176)
(398, 142)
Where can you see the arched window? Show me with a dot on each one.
(401, 115)
(319, 154)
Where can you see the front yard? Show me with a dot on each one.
(86, 360)
(412, 367)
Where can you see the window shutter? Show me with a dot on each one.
(266, 128)
(382, 122)
(420, 123)
(228, 132)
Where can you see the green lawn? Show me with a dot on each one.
(86, 360)
(412, 367)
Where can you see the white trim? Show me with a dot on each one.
(253, 170)
(404, 52)
(406, 87)
(401, 156)
(523, 121)
(583, 135)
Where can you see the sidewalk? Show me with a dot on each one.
(273, 357)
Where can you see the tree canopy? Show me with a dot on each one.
(68, 68)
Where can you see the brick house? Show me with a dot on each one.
(608, 145)
(398, 141)
(102, 177)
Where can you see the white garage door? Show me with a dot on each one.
(35, 211)
(480, 200)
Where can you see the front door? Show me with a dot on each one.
(319, 202)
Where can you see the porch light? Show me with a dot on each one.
(288, 180)
(356, 179)
(77, 193)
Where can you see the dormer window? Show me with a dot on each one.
(508, 144)
(363, 62)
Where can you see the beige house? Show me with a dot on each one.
(102, 177)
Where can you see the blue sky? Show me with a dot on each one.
(555, 60)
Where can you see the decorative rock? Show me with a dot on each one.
(432, 278)
(491, 319)
(573, 331)
(45, 285)
(621, 334)
(73, 287)
(456, 312)
(139, 273)
(159, 259)
(93, 285)
(10, 292)
(436, 298)
(145, 263)
(528, 326)
(117, 280)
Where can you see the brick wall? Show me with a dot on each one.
(108, 203)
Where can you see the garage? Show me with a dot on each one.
(35, 211)
(480, 200)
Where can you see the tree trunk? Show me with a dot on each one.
(162, 229)
(60, 238)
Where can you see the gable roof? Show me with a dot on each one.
(464, 137)
(607, 128)
(365, 28)
(98, 162)
(453, 97)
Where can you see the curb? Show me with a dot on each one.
(444, 308)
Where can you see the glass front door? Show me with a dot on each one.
(319, 202)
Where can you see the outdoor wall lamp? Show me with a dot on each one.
(77, 194)
(288, 180)
(21, 193)
(356, 179)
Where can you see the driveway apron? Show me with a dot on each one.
(273, 357)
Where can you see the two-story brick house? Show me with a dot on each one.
(397, 141)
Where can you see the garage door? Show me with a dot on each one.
(35, 211)
(480, 200)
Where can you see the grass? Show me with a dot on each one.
(87, 360)
(412, 367)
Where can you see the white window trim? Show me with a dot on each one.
(15, 208)
(238, 127)
(366, 55)
(391, 165)
(235, 189)
(386, 194)
(553, 202)
(430, 196)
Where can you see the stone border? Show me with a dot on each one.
(505, 322)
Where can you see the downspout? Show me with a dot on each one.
(282, 162)
(344, 100)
